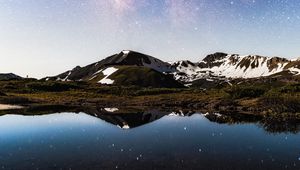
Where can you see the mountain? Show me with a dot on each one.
(134, 68)
(9, 76)
(233, 66)
(125, 68)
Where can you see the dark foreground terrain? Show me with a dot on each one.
(280, 100)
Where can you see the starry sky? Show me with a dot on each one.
(46, 37)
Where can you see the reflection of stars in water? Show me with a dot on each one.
(139, 157)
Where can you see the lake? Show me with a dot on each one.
(149, 140)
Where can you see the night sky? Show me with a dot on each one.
(46, 37)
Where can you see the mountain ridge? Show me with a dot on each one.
(234, 66)
(217, 66)
(9, 76)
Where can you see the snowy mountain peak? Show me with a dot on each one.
(224, 65)
(183, 63)
(127, 57)
(126, 51)
(218, 66)
(214, 57)
(124, 58)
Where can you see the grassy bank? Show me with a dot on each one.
(280, 100)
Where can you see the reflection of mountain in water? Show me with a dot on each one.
(127, 119)
(271, 125)
(135, 117)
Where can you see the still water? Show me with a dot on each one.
(82, 141)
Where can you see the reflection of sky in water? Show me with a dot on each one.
(15, 125)
(79, 141)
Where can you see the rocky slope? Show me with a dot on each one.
(125, 68)
(133, 68)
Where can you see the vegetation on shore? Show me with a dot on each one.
(280, 99)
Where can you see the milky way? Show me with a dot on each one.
(35, 35)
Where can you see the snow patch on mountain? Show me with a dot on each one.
(295, 71)
(92, 78)
(107, 72)
(96, 74)
(66, 78)
(63, 79)
(236, 70)
(187, 67)
(296, 59)
(223, 66)
(126, 51)
(111, 109)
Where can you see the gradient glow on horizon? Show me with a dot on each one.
(46, 37)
